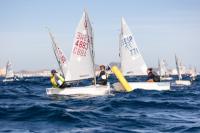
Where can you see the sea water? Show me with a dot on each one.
(25, 108)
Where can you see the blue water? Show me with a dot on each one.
(25, 107)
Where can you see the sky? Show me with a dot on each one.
(161, 29)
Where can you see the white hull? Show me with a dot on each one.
(183, 82)
(8, 80)
(159, 86)
(87, 90)
(166, 78)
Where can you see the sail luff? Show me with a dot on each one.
(92, 44)
(120, 49)
(178, 67)
(159, 67)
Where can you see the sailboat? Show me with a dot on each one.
(164, 74)
(178, 68)
(193, 74)
(9, 73)
(81, 64)
(132, 62)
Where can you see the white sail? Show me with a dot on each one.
(81, 64)
(9, 71)
(163, 68)
(61, 59)
(178, 63)
(193, 72)
(132, 62)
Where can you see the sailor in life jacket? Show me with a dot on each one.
(102, 77)
(56, 79)
(152, 77)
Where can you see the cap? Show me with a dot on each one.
(53, 71)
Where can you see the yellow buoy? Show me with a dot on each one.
(121, 78)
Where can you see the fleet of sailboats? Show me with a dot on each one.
(81, 64)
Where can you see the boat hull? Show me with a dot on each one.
(166, 78)
(159, 86)
(86, 90)
(8, 80)
(183, 82)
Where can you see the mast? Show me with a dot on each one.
(54, 43)
(60, 57)
(178, 67)
(159, 67)
(120, 54)
(93, 54)
(7, 65)
(91, 38)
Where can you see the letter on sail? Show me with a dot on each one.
(132, 62)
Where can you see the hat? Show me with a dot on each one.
(53, 71)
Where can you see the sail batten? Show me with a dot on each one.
(132, 62)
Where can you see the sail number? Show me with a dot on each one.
(127, 42)
(81, 44)
(61, 56)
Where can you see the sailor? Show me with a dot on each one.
(152, 77)
(102, 78)
(56, 79)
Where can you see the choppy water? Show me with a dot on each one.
(25, 107)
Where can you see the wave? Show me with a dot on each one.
(25, 107)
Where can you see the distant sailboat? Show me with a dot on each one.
(163, 71)
(132, 62)
(193, 74)
(178, 68)
(81, 64)
(9, 72)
